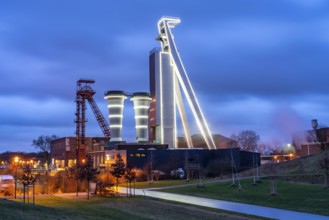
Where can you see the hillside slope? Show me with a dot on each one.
(306, 166)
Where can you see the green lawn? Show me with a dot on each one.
(161, 183)
(17, 210)
(97, 208)
(292, 196)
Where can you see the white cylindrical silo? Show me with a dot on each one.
(115, 101)
(141, 106)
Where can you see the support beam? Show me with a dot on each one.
(168, 46)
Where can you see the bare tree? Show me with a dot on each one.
(269, 147)
(265, 148)
(247, 140)
(42, 143)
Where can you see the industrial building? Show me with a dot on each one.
(155, 115)
(142, 155)
(63, 150)
(221, 142)
(311, 141)
(171, 159)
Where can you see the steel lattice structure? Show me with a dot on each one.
(85, 92)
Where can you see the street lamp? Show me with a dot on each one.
(16, 160)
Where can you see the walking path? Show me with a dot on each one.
(230, 206)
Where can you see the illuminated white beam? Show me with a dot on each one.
(115, 106)
(168, 45)
(141, 126)
(181, 110)
(161, 102)
(115, 116)
(115, 126)
(142, 116)
(141, 106)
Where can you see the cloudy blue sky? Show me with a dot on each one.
(258, 65)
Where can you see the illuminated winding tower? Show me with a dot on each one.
(168, 78)
(141, 102)
(115, 106)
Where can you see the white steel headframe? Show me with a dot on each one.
(168, 45)
(181, 110)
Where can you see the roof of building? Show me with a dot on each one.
(115, 92)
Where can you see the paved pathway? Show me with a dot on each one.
(231, 206)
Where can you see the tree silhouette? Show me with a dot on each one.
(130, 175)
(28, 178)
(247, 140)
(118, 169)
(43, 144)
(87, 172)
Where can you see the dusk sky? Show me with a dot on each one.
(257, 65)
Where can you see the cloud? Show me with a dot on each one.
(20, 111)
(258, 58)
(286, 121)
(19, 138)
(271, 118)
(243, 59)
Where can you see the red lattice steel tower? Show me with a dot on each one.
(85, 92)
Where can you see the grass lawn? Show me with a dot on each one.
(53, 207)
(161, 183)
(292, 196)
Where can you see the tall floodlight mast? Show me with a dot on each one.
(165, 25)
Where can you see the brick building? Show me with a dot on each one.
(63, 150)
(221, 142)
(311, 141)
